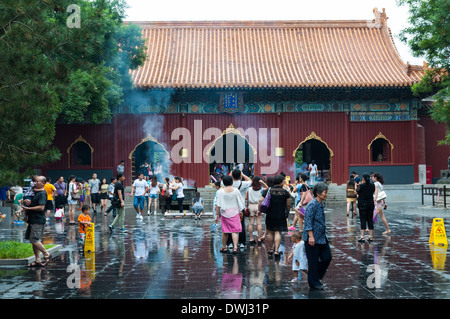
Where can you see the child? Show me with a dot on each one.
(85, 221)
(17, 209)
(59, 213)
(298, 256)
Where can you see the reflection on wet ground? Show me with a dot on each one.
(180, 258)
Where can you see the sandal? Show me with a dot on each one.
(235, 250)
(270, 252)
(223, 250)
(47, 259)
(35, 264)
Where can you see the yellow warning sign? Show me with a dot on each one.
(437, 234)
(438, 256)
(89, 242)
(89, 259)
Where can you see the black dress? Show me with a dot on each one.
(277, 214)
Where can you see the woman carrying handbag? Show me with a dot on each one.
(379, 200)
(278, 208)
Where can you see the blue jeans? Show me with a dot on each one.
(197, 209)
(139, 201)
(112, 208)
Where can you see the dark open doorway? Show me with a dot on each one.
(149, 158)
(229, 150)
(318, 151)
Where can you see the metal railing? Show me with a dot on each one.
(436, 192)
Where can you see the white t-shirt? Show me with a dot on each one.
(243, 187)
(94, 184)
(227, 201)
(380, 187)
(300, 256)
(313, 168)
(153, 189)
(139, 187)
(254, 196)
(179, 190)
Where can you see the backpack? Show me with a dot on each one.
(165, 192)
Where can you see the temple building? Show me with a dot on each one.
(274, 94)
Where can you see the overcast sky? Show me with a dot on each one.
(207, 10)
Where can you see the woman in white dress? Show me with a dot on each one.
(313, 172)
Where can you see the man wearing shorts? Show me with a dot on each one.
(35, 209)
(94, 185)
(139, 188)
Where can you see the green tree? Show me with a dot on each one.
(51, 70)
(429, 36)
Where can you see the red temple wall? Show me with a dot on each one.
(347, 140)
(100, 137)
(436, 155)
(400, 134)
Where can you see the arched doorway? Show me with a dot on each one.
(314, 148)
(80, 154)
(380, 149)
(230, 149)
(149, 151)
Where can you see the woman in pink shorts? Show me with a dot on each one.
(229, 206)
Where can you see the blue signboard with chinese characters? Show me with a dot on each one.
(231, 102)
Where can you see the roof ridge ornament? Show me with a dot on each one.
(380, 19)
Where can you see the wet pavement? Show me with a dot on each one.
(179, 258)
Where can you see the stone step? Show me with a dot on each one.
(335, 194)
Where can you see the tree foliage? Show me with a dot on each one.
(50, 71)
(429, 36)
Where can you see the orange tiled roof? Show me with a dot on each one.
(272, 54)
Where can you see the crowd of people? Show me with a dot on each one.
(223, 169)
(33, 204)
(370, 196)
(237, 197)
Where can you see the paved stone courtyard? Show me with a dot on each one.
(162, 258)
